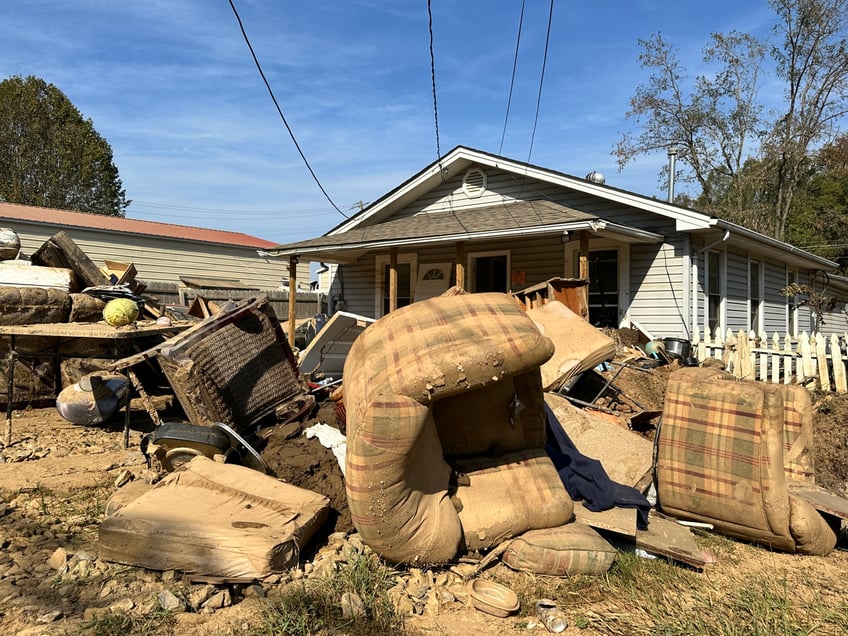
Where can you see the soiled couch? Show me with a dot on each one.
(446, 429)
(728, 453)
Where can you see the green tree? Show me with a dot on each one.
(50, 155)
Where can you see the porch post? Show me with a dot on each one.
(393, 279)
(293, 260)
(583, 272)
(460, 264)
(583, 267)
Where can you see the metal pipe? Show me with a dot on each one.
(672, 155)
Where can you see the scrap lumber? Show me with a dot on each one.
(665, 537)
(24, 274)
(61, 251)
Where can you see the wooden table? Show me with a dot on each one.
(65, 331)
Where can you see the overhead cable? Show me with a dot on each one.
(512, 79)
(433, 78)
(541, 81)
(280, 111)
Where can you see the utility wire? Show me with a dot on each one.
(541, 81)
(280, 111)
(433, 78)
(512, 79)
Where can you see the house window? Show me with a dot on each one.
(407, 268)
(714, 292)
(755, 296)
(603, 288)
(490, 272)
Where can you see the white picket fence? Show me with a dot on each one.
(815, 360)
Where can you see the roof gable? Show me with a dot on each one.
(458, 160)
(72, 219)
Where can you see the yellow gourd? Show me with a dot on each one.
(120, 311)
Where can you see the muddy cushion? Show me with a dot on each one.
(566, 550)
(397, 371)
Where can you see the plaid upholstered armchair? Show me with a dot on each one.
(446, 429)
(729, 453)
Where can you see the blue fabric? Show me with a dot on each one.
(586, 480)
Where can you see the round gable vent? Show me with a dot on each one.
(474, 183)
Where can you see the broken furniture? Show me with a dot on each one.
(327, 351)
(571, 292)
(446, 429)
(721, 459)
(214, 520)
(234, 369)
(119, 339)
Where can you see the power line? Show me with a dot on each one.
(433, 78)
(512, 79)
(280, 110)
(541, 81)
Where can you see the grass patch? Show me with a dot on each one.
(314, 606)
(125, 624)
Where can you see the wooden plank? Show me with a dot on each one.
(61, 251)
(24, 274)
(665, 537)
(819, 498)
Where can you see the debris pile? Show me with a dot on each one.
(450, 434)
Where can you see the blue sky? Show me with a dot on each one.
(171, 85)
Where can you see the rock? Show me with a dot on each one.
(169, 602)
(124, 605)
(49, 617)
(219, 601)
(123, 477)
(352, 606)
(59, 559)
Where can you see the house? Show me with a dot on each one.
(188, 257)
(489, 223)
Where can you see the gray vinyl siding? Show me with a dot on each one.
(503, 187)
(774, 312)
(736, 290)
(166, 260)
(657, 284)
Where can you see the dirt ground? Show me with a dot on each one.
(50, 459)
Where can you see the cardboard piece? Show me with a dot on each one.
(618, 520)
(626, 456)
(216, 520)
(578, 345)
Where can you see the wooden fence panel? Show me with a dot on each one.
(813, 360)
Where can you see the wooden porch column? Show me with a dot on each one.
(460, 264)
(583, 267)
(293, 260)
(393, 254)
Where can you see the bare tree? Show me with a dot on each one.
(710, 121)
(812, 58)
(748, 168)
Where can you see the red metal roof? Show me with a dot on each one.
(67, 218)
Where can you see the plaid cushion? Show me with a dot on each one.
(719, 456)
(798, 461)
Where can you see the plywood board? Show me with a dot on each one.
(665, 537)
(618, 520)
(821, 499)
